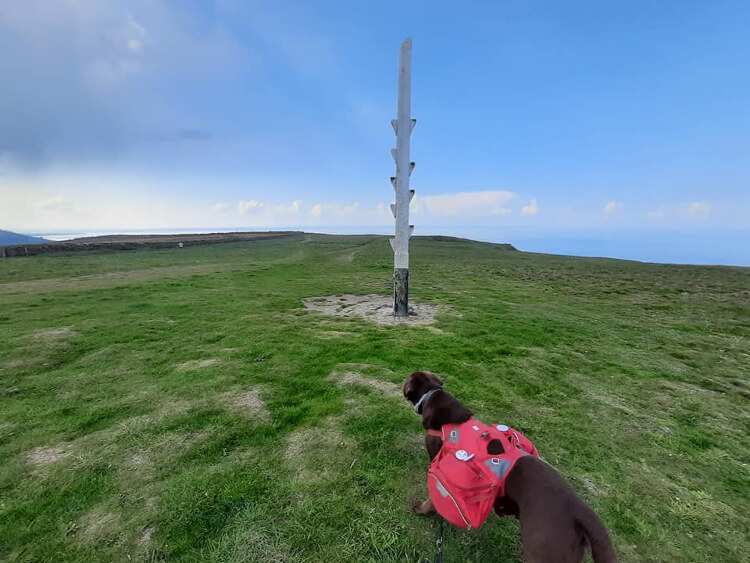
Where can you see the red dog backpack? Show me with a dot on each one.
(464, 479)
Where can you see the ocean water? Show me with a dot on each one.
(714, 246)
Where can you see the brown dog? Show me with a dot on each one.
(555, 524)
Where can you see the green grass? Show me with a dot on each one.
(632, 379)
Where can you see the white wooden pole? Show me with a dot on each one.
(403, 127)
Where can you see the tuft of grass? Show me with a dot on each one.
(183, 405)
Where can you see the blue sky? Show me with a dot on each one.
(557, 120)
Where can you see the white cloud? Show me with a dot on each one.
(298, 213)
(531, 209)
(346, 213)
(67, 202)
(699, 208)
(249, 205)
(53, 203)
(684, 213)
(612, 207)
(58, 202)
(464, 204)
(135, 35)
(656, 214)
(691, 211)
(135, 46)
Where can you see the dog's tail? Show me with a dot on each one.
(602, 550)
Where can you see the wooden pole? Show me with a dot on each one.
(402, 126)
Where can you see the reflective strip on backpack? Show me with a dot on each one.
(442, 488)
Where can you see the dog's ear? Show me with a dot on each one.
(411, 386)
(408, 388)
(433, 379)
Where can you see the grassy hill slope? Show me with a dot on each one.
(183, 405)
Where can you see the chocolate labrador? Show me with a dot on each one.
(556, 526)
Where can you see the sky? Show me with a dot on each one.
(615, 125)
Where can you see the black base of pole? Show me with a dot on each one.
(401, 292)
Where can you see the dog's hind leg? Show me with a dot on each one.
(425, 508)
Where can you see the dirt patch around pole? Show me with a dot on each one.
(375, 308)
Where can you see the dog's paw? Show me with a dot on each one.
(422, 507)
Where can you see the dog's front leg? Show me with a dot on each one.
(425, 508)
(433, 445)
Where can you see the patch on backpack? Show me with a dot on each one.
(498, 466)
(442, 490)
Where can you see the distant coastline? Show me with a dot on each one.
(710, 247)
(118, 242)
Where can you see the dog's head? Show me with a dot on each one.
(419, 383)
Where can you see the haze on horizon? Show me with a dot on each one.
(622, 123)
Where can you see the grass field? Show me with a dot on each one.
(183, 405)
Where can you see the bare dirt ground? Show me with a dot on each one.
(375, 308)
(198, 364)
(349, 374)
(251, 403)
(45, 456)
